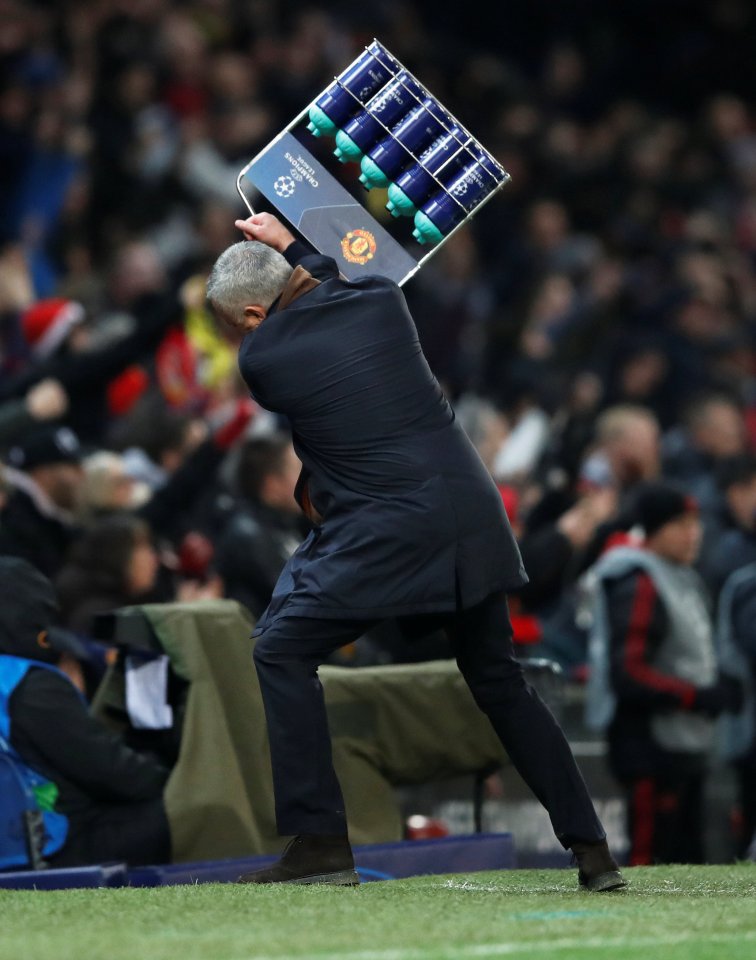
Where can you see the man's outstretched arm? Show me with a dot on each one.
(267, 229)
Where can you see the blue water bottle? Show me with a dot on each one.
(449, 206)
(405, 142)
(355, 86)
(444, 157)
(388, 106)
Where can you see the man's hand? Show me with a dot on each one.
(267, 229)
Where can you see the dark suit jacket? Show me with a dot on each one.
(411, 520)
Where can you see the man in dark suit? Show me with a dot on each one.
(408, 524)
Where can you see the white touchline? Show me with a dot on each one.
(438, 952)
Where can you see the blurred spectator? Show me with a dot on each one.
(732, 543)
(156, 440)
(114, 564)
(85, 373)
(38, 522)
(628, 449)
(109, 795)
(187, 472)
(654, 684)
(526, 440)
(108, 487)
(268, 527)
(47, 400)
(563, 533)
(484, 425)
(641, 378)
(552, 549)
(457, 302)
(713, 431)
(573, 427)
(626, 453)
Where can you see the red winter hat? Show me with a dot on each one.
(47, 324)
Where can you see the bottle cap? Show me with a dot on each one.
(321, 122)
(373, 173)
(399, 204)
(426, 228)
(346, 148)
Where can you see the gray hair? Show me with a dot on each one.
(246, 273)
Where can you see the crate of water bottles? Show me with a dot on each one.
(379, 118)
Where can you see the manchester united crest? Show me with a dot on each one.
(358, 246)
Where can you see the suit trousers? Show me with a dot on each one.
(307, 792)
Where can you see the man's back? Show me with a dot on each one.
(344, 363)
(404, 496)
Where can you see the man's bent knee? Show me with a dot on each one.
(273, 647)
(268, 649)
(506, 687)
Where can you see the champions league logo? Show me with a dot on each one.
(284, 186)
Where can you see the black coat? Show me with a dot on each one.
(94, 770)
(252, 551)
(411, 520)
(27, 533)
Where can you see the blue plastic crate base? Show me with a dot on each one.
(71, 878)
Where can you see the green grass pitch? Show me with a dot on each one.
(669, 913)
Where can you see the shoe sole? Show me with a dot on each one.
(342, 878)
(604, 882)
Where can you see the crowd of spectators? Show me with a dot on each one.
(594, 325)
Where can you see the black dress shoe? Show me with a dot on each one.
(597, 869)
(310, 859)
